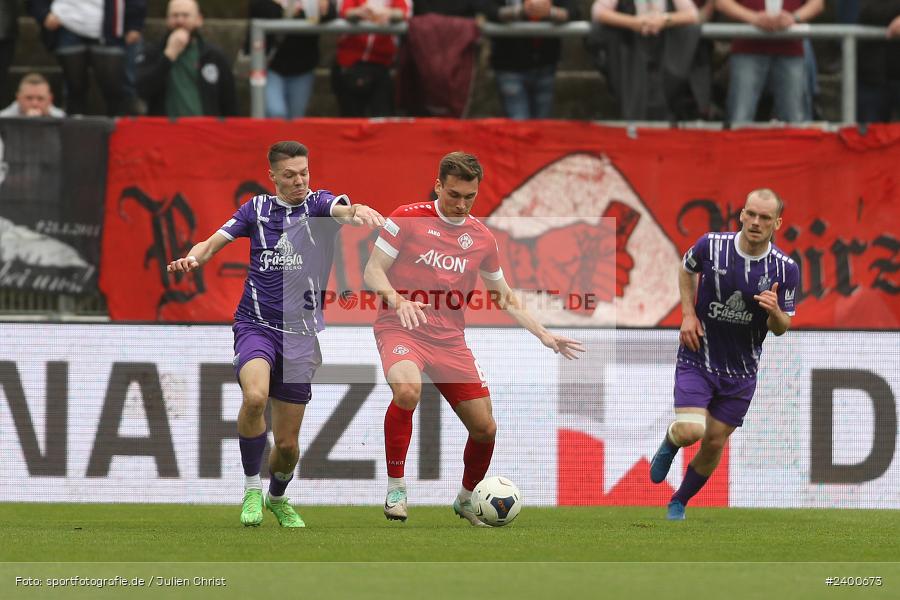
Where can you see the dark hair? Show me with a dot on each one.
(280, 151)
(461, 165)
(767, 193)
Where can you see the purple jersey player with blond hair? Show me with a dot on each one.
(276, 352)
(746, 289)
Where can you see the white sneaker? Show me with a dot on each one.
(465, 511)
(395, 505)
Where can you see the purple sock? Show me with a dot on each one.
(278, 483)
(693, 483)
(252, 453)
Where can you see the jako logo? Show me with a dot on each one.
(401, 350)
(444, 262)
(434, 232)
(283, 257)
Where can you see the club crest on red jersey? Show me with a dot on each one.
(465, 241)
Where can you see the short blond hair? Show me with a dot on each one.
(768, 194)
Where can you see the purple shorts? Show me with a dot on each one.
(726, 398)
(293, 359)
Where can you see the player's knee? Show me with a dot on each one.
(714, 444)
(688, 433)
(688, 428)
(287, 446)
(407, 396)
(255, 401)
(485, 432)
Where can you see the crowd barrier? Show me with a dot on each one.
(849, 35)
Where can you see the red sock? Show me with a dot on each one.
(397, 433)
(477, 459)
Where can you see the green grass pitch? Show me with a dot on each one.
(345, 552)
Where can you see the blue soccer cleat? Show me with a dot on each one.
(662, 460)
(675, 511)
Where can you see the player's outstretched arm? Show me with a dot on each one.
(199, 254)
(358, 214)
(691, 328)
(500, 292)
(778, 321)
(410, 313)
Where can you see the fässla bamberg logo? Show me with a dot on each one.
(282, 258)
(733, 311)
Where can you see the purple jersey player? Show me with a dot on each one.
(276, 351)
(746, 289)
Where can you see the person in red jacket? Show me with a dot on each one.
(361, 79)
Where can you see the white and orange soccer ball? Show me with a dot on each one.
(496, 501)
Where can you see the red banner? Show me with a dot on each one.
(171, 185)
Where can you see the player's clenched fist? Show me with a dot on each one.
(183, 265)
(768, 299)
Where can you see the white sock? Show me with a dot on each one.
(274, 498)
(396, 483)
(464, 494)
(252, 482)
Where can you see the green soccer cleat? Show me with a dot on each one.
(285, 513)
(251, 511)
(395, 505)
(465, 511)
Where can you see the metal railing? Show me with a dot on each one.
(848, 34)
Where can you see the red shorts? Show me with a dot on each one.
(449, 363)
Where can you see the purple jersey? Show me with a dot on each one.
(291, 250)
(733, 322)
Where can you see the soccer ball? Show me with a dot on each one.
(496, 501)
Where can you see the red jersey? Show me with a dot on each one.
(779, 47)
(369, 47)
(436, 261)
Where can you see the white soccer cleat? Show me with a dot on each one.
(465, 511)
(395, 505)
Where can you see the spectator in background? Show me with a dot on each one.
(848, 12)
(183, 75)
(525, 68)
(361, 79)
(134, 47)
(878, 97)
(292, 58)
(780, 63)
(9, 33)
(437, 62)
(90, 33)
(650, 48)
(34, 99)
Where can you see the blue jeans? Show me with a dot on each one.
(749, 75)
(132, 51)
(812, 78)
(527, 94)
(288, 97)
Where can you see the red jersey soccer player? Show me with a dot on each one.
(424, 265)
